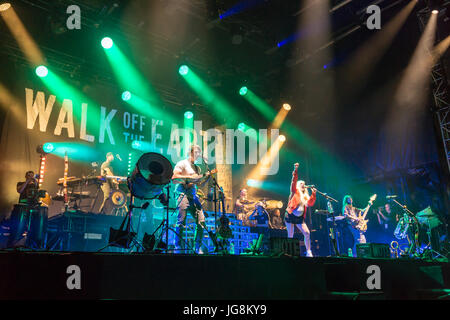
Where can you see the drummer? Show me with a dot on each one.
(241, 209)
(28, 188)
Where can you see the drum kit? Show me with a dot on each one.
(256, 212)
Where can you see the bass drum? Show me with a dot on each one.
(152, 172)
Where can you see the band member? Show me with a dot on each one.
(28, 188)
(387, 220)
(188, 200)
(240, 207)
(110, 184)
(352, 214)
(276, 221)
(299, 200)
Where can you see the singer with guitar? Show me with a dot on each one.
(299, 200)
(356, 219)
(187, 175)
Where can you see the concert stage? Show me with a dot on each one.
(43, 275)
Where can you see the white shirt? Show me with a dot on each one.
(185, 168)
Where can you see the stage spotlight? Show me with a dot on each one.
(241, 126)
(286, 107)
(188, 115)
(107, 43)
(126, 95)
(5, 6)
(183, 70)
(41, 71)
(282, 138)
(254, 183)
(243, 91)
(435, 12)
(48, 147)
(136, 144)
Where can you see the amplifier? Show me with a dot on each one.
(373, 250)
(287, 246)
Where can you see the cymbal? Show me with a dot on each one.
(274, 204)
(427, 212)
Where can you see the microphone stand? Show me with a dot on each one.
(415, 242)
(222, 199)
(333, 232)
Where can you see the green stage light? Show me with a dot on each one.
(243, 91)
(126, 95)
(183, 70)
(42, 71)
(107, 43)
(48, 147)
(136, 144)
(241, 126)
(188, 115)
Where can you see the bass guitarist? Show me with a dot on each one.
(356, 219)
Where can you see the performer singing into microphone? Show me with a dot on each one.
(299, 200)
(27, 189)
(188, 200)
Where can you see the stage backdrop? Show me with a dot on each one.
(86, 121)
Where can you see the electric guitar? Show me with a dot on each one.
(362, 223)
(197, 180)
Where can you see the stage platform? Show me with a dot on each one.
(47, 275)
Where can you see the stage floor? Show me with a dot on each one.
(69, 275)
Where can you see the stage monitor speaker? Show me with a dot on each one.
(279, 246)
(373, 250)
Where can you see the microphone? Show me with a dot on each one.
(118, 157)
(391, 197)
(310, 186)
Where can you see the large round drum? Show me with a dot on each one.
(152, 172)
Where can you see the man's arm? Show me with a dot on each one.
(21, 186)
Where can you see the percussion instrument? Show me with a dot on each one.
(428, 218)
(118, 198)
(152, 172)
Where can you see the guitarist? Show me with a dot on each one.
(356, 219)
(188, 200)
